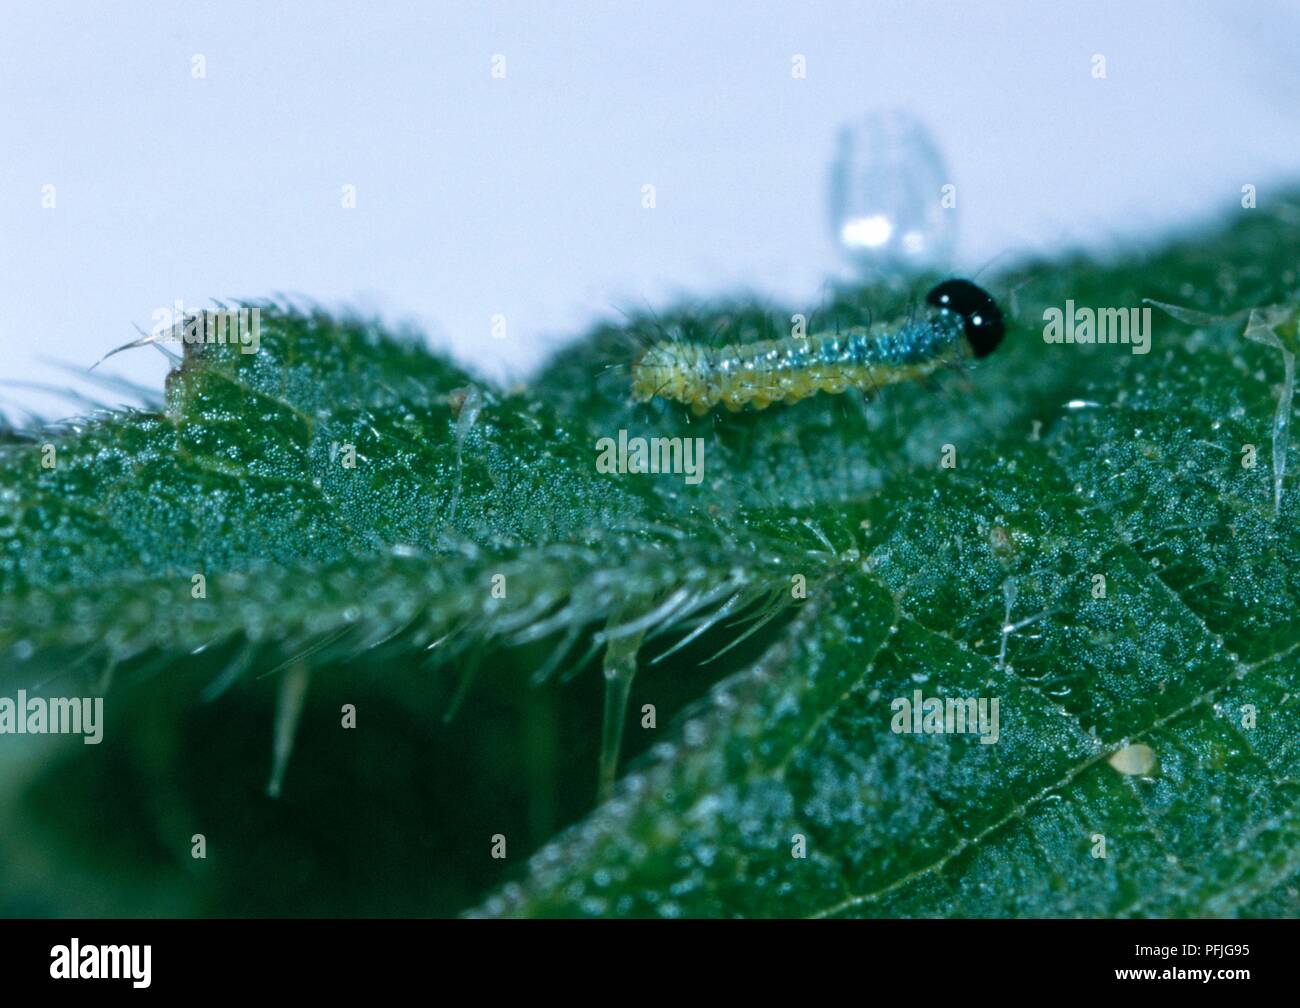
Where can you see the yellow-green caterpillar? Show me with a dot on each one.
(787, 370)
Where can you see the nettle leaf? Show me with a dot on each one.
(1108, 574)
(787, 792)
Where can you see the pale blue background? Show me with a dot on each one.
(522, 197)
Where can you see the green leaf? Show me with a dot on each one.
(1155, 719)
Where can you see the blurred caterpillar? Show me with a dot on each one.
(787, 370)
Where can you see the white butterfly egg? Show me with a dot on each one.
(892, 205)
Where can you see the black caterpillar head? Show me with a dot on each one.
(983, 318)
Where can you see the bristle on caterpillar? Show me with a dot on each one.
(787, 370)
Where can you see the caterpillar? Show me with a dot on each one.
(790, 369)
